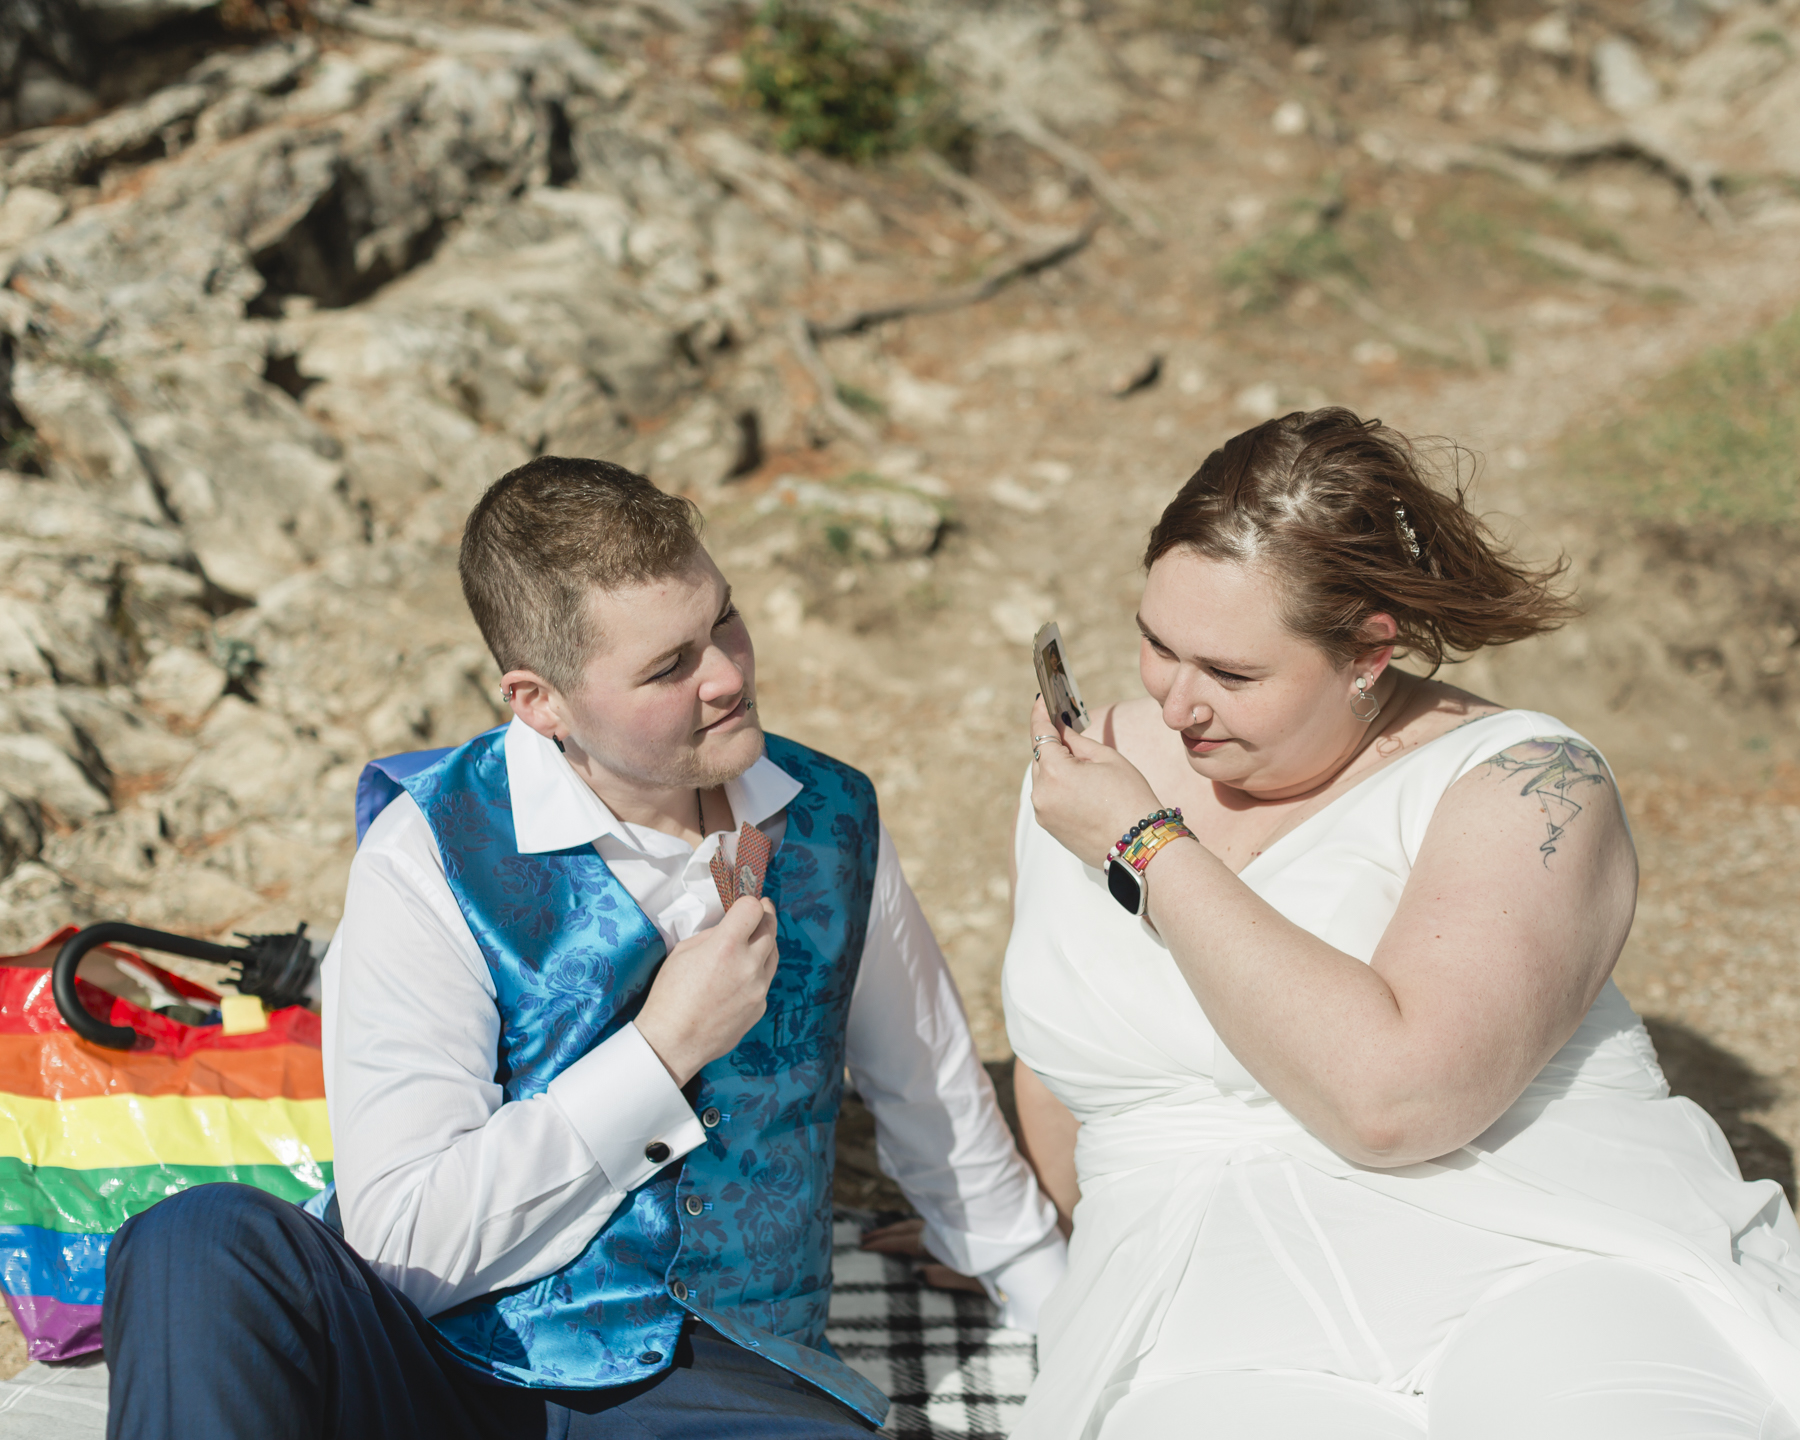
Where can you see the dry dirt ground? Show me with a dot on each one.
(919, 670)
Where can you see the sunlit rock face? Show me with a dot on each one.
(253, 381)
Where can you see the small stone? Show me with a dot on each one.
(1289, 118)
(1014, 496)
(726, 70)
(1375, 354)
(785, 610)
(1621, 80)
(1021, 613)
(1260, 400)
(1551, 36)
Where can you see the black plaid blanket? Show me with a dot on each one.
(949, 1372)
(938, 1356)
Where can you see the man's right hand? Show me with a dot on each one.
(712, 988)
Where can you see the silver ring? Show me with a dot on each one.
(1037, 740)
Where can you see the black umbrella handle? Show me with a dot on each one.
(62, 975)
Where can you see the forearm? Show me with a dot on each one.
(1047, 1134)
(451, 1193)
(502, 1205)
(1320, 1030)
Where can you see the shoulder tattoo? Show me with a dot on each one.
(1552, 771)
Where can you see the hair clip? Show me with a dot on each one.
(1408, 536)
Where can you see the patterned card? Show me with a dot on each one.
(747, 876)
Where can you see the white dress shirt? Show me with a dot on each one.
(450, 1191)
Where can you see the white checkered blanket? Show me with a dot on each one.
(951, 1373)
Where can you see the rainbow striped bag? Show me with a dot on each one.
(90, 1136)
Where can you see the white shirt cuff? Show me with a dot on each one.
(1021, 1286)
(627, 1109)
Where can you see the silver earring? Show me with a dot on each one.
(1362, 694)
(507, 694)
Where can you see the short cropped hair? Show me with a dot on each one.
(545, 536)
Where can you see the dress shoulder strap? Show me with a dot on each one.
(1480, 740)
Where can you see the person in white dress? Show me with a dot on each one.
(1358, 1138)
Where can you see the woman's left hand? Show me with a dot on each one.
(1084, 793)
(906, 1239)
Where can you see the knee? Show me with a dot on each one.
(205, 1229)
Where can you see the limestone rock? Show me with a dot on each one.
(36, 902)
(35, 770)
(119, 852)
(27, 212)
(21, 834)
(73, 414)
(251, 765)
(195, 899)
(269, 331)
(244, 470)
(112, 727)
(181, 684)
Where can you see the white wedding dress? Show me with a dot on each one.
(1227, 1264)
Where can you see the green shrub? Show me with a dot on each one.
(851, 91)
(1719, 437)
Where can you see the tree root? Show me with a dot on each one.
(1603, 268)
(1697, 179)
(1401, 332)
(1098, 178)
(1045, 256)
(800, 337)
(982, 201)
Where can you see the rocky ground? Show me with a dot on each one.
(273, 319)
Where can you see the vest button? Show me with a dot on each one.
(656, 1152)
(693, 1205)
(710, 1117)
(678, 1290)
(650, 1357)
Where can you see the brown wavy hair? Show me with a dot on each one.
(1335, 505)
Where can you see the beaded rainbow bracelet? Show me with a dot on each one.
(1138, 844)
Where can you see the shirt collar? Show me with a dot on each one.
(553, 809)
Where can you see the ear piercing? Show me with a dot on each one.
(1364, 697)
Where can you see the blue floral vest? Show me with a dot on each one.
(572, 958)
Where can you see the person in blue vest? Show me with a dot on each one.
(583, 1107)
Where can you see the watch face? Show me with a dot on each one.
(1124, 883)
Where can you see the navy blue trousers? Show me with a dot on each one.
(231, 1315)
